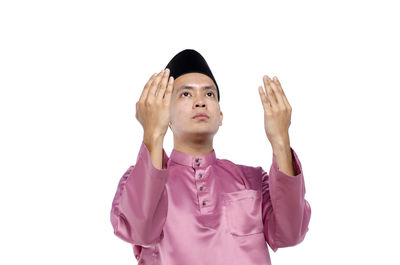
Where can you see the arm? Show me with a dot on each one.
(286, 214)
(139, 208)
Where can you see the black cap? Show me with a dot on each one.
(190, 61)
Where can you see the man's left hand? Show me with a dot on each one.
(277, 112)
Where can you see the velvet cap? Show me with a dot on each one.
(190, 61)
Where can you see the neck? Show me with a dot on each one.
(194, 146)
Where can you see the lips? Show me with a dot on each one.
(201, 115)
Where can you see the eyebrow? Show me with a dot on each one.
(191, 87)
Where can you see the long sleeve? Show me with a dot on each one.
(139, 208)
(286, 214)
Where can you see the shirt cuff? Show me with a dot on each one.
(144, 154)
(295, 162)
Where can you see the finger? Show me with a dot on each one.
(146, 87)
(163, 84)
(277, 93)
(283, 92)
(270, 93)
(264, 100)
(137, 111)
(170, 88)
(154, 85)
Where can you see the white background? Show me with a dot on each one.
(72, 71)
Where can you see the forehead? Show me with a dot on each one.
(194, 81)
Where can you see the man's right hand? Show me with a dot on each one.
(153, 107)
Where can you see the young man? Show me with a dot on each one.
(192, 208)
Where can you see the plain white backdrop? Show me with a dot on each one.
(72, 71)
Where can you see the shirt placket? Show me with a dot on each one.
(202, 189)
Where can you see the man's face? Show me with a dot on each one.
(195, 93)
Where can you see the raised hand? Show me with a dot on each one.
(153, 107)
(277, 111)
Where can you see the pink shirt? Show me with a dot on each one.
(202, 210)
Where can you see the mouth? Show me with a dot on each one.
(201, 116)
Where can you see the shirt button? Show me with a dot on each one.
(197, 159)
(201, 188)
(198, 164)
(204, 202)
(200, 175)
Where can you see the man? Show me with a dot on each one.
(192, 208)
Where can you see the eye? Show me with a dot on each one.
(212, 93)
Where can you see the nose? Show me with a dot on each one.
(199, 102)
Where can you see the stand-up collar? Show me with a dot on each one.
(191, 160)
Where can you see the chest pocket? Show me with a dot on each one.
(243, 212)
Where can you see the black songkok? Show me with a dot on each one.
(190, 61)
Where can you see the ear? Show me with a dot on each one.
(221, 117)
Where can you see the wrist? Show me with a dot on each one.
(281, 148)
(150, 139)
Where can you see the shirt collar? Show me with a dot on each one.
(199, 161)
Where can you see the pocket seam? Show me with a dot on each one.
(255, 194)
